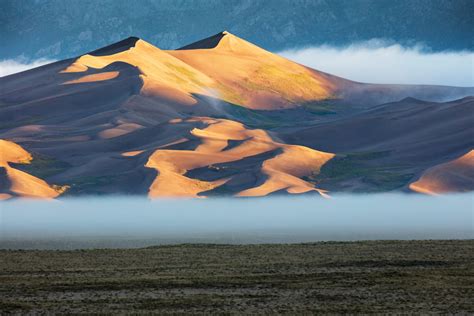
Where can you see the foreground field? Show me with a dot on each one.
(334, 277)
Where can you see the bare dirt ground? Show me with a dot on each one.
(330, 277)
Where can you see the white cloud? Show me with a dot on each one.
(381, 62)
(11, 66)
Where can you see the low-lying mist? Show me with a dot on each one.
(135, 222)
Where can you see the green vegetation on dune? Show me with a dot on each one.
(220, 191)
(323, 107)
(184, 72)
(230, 95)
(92, 184)
(253, 118)
(43, 166)
(361, 167)
(292, 86)
(271, 119)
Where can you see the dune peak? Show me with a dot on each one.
(206, 43)
(225, 42)
(117, 47)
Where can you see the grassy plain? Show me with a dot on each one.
(326, 277)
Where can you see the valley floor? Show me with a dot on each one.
(327, 277)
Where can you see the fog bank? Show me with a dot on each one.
(135, 222)
(11, 66)
(379, 61)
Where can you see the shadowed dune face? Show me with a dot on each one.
(453, 176)
(218, 117)
(413, 127)
(393, 142)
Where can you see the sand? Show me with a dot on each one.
(219, 117)
(275, 173)
(17, 183)
(453, 176)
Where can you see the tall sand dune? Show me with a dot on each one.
(220, 116)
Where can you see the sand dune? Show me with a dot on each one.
(247, 75)
(414, 127)
(282, 172)
(218, 117)
(393, 141)
(453, 176)
(17, 183)
(285, 170)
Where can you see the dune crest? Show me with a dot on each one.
(226, 42)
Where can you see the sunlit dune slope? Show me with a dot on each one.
(250, 76)
(158, 69)
(16, 183)
(225, 145)
(453, 176)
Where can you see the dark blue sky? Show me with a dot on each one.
(58, 29)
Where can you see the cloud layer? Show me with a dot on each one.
(11, 66)
(381, 62)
